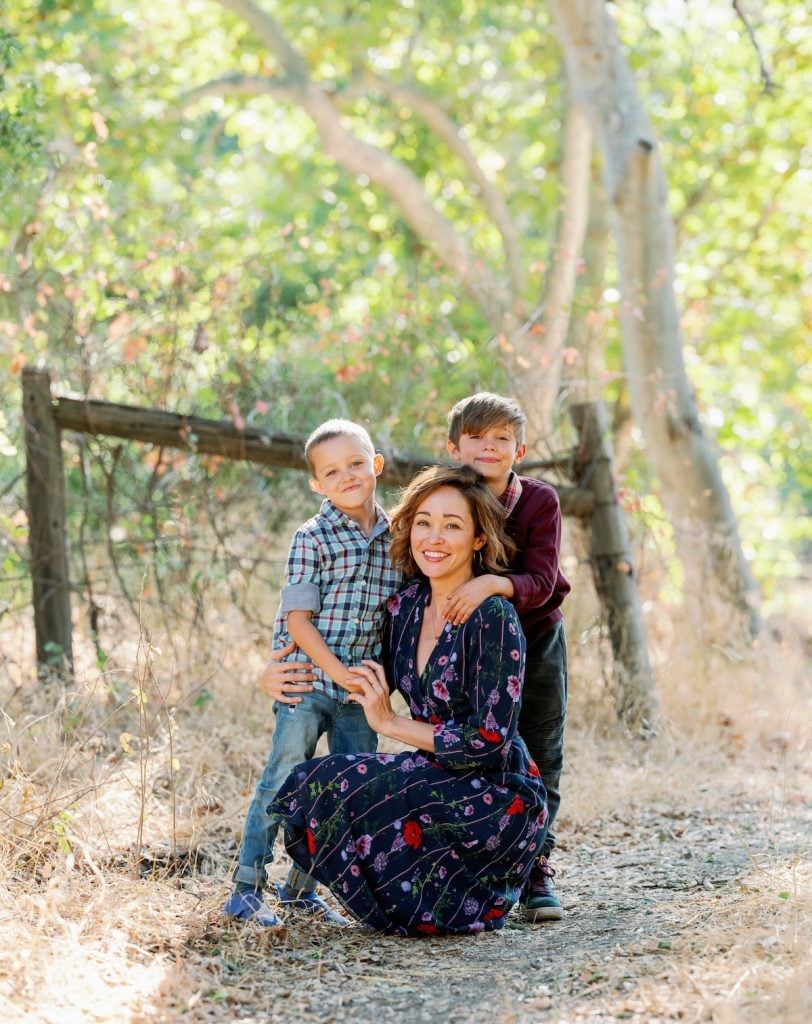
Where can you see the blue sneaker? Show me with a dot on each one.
(247, 905)
(310, 903)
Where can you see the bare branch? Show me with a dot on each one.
(272, 35)
(450, 133)
(766, 77)
(246, 85)
(572, 225)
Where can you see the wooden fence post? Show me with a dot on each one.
(46, 522)
(613, 569)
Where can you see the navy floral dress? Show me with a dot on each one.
(417, 843)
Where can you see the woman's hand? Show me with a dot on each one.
(372, 693)
(286, 680)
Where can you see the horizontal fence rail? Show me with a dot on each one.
(223, 437)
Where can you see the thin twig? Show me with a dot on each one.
(766, 77)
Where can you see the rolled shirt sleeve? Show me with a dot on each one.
(300, 591)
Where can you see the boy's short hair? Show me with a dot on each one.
(482, 411)
(336, 428)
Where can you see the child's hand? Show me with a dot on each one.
(352, 681)
(286, 680)
(463, 601)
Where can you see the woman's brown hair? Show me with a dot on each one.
(486, 511)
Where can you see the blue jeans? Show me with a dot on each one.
(544, 713)
(298, 729)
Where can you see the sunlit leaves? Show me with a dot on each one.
(203, 255)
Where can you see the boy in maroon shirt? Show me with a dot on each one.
(486, 432)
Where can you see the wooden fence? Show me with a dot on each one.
(592, 499)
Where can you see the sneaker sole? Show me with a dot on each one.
(270, 926)
(319, 912)
(536, 914)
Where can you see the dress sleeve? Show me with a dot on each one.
(491, 664)
(301, 590)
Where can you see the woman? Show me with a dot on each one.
(441, 839)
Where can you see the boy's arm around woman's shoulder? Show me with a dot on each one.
(465, 600)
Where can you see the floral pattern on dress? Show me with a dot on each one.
(429, 843)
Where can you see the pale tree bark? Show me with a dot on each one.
(584, 374)
(358, 157)
(535, 342)
(446, 129)
(719, 587)
(528, 361)
(561, 281)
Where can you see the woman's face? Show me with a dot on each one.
(442, 538)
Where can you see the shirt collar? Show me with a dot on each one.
(335, 515)
(511, 494)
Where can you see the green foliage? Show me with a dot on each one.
(738, 162)
(18, 137)
(202, 253)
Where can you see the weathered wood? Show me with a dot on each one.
(46, 522)
(222, 437)
(613, 569)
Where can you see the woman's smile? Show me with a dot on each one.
(433, 555)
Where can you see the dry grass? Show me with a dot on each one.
(122, 799)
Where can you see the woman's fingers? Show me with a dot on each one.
(282, 652)
(366, 671)
(377, 672)
(282, 680)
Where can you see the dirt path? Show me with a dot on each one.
(689, 917)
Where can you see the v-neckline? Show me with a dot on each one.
(430, 656)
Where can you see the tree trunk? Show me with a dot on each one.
(584, 375)
(613, 570)
(718, 586)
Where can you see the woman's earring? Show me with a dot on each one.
(478, 560)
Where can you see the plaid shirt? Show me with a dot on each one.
(511, 494)
(343, 578)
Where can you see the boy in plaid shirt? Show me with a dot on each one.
(337, 577)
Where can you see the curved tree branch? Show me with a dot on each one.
(450, 133)
(361, 158)
(766, 77)
(246, 85)
(572, 225)
(270, 32)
